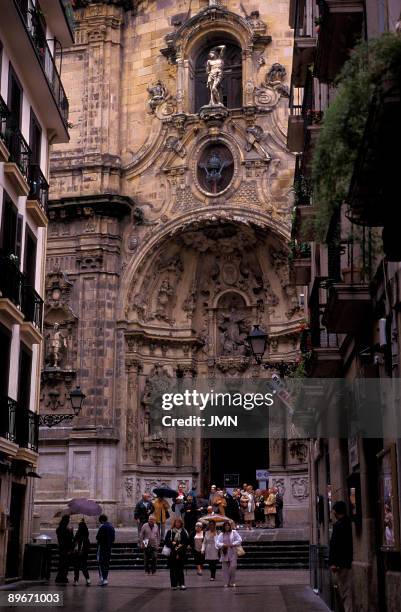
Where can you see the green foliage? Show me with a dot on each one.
(344, 121)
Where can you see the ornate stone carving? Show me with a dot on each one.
(90, 260)
(157, 94)
(129, 487)
(174, 144)
(280, 484)
(300, 488)
(298, 449)
(277, 73)
(233, 324)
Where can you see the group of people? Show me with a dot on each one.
(74, 550)
(245, 506)
(207, 545)
(248, 507)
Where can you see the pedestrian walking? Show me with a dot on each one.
(177, 540)
(81, 551)
(270, 509)
(196, 543)
(161, 514)
(341, 555)
(143, 509)
(105, 538)
(190, 514)
(279, 508)
(65, 539)
(227, 542)
(209, 549)
(149, 540)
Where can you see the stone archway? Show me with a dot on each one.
(187, 312)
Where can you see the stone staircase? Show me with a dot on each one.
(267, 555)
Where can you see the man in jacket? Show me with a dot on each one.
(149, 540)
(341, 555)
(143, 510)
(105, 538)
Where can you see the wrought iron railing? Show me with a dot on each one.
(8, 409)
(32, 306)
(20, 153)
(320, 336)
(11, 279)
(27, 429)
(39, 188)
(33, 26)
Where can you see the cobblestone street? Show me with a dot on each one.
(132, 591)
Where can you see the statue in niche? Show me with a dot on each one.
(58, 345)
(215, 73)
(233, 334)
(165, 293)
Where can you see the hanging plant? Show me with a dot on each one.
(370, 66)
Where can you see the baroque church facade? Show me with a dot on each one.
(168, 239)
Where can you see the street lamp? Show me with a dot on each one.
(257, 340)
(76, 399)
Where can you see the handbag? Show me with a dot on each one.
(240, 551)
(166, 551)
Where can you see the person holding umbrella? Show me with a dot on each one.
(65, 539)
(177, 540)
(105, 538)
(81, 551)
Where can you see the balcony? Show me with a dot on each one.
(17, 166)
(27, 435)
(305, 39)
(349, 306)
(32, 308)
(36, 204)
(303, 224)
(341, 24)
(326, 360)
(10, 290)
(8, 408)
(300, 263)
(22, 32)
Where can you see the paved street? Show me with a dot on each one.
(256, 591)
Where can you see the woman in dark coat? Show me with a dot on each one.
(65, 539)
(81, 551)
(177, 540)
(190, 514)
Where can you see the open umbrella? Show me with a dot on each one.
(219, 519)
(165, 492)
(80, 505)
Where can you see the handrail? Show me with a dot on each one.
(39, 187)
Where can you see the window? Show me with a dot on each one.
(24, 382)
(232, 81)
(5, 348)
(30, 257)
(11, 228)
(35, 138)
(14, 101)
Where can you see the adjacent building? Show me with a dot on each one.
(33, 116)
(346, 261)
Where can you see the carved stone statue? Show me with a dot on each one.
(215, 73)
(58, 344)
(233, 332)
(157, 95)
(276, 73)
(164, 296)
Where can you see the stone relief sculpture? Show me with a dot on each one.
(215, 73)
(157, 95)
